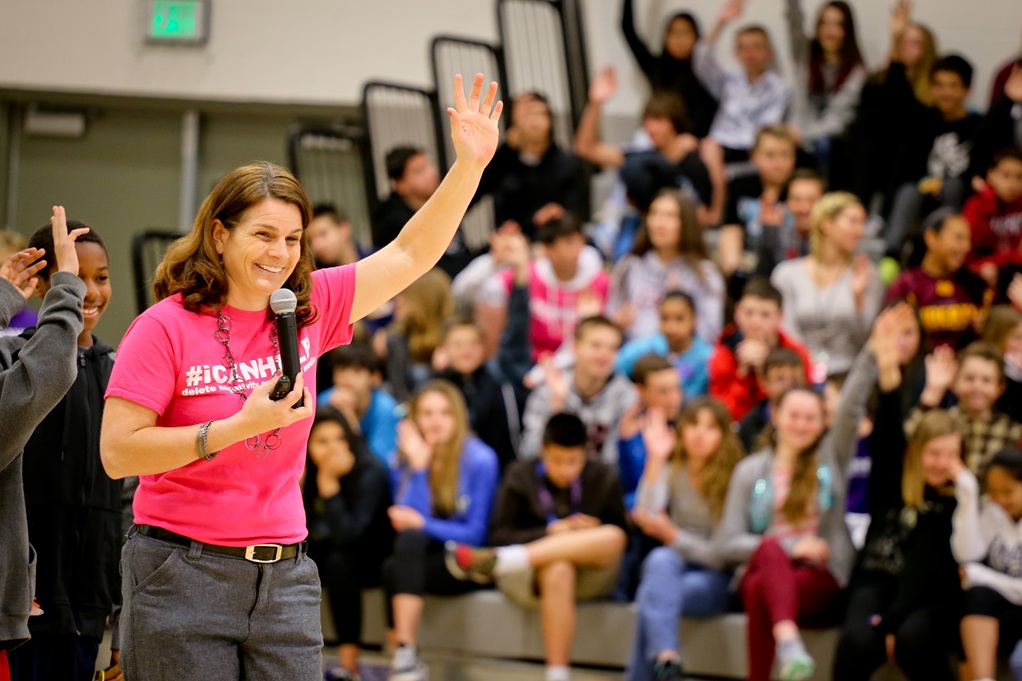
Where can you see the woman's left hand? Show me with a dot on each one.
(405, 518)
(473, 124)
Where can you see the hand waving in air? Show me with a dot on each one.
(474, 123)
(19, 270)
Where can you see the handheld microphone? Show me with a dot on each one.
(284, 303)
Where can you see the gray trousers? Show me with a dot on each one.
(204, 615)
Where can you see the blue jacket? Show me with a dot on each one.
(477, 486)
(692, 365)
(379, 425)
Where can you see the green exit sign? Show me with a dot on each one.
(178, 22)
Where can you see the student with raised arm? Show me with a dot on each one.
(35, 374)
(218, 512)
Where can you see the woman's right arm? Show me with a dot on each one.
(643, 56)
(131, 443)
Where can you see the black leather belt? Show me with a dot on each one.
(257, 553)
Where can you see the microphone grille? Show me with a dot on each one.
(283, 301)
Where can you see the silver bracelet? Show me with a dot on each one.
(200, 440)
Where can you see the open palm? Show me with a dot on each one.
(474, 123)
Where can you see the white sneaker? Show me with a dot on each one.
(406, 666)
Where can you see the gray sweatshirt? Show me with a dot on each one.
(817, 120)
(735, 539)
(34, 376)
(601, 414)
(689, 512)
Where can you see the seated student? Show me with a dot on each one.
(330, 237)
(444, 480)
(663, 148)
(532, 180)
(671, 70)
(560, 527)
(669, 254)
(688, 352)
(782, 370)
(356, 391)
(413, 179)
(347, 494)
(73, 507)
(1003, 329)
(995, 216)
(884, 111)
(830, 74)
(1000, 127)
(784, 520)
(12, 243)
(932, 159)
(493, 409)
(756, 201)
(591, 390)
(789, 237)
(681, 498)
(949, 297)
(977, 379)
(832, 295)
(34, 378)
(406, 347)
(752, 99)
(988, 543)
(658, 391)
(565, 281)
(905, 593)
(736, 365)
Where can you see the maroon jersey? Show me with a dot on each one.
(948, 306)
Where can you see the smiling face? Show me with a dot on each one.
(803, 194)
(664, 224)
(701, 438)
(830, 30)
(680, 39)
(94, 270)
(846, 229)
(260, 252)
(663, 391)
(1006, 179)
(596, 352)
(1005, 491)
(951, 245)
(799, 420)
(938, 457)
(677, 323)
(949, 92)
(435, 418)
(978, 385)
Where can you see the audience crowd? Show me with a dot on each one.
(797, 314)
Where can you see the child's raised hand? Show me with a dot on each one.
(1013, 86)
(730, 10)
(900, 16)
(410, 442)
(941, 368)
(657, 436)
(64, 242)
(20, 270)
(604, 86)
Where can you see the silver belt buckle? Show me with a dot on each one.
(250, 553)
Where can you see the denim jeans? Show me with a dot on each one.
(670, 588)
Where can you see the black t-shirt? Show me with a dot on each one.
(743, 206)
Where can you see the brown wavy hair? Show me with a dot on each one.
(446, 464)
(428, 303)
(716, 476)
(691, 244)
(192, 266)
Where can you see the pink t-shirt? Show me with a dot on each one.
(170, 362)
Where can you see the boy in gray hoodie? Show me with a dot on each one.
(34, 375)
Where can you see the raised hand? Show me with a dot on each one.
(473, 124)
(1013, 86)
(604, 86)
(901, 15)
(730, 10)
(862, 272)
(411, 443)
(20, 270)
(658, 437)
(64, 242)
(941, 368)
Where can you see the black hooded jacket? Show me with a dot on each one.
(74, 508)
